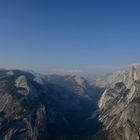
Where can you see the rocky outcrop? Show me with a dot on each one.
(21, 117)
(22, 84)
(120, 106)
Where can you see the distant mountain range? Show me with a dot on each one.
(41, 107)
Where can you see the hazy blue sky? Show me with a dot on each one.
(69, 34)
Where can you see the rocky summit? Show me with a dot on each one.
(120, 106)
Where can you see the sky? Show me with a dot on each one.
(69, 35)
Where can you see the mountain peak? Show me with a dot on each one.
(119, 105)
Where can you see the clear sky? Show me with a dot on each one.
(69, 34)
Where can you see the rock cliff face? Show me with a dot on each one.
(39, 107)
(21, 114)
(120, 106)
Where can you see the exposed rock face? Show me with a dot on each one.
(21, 83)
(21, 117)
(36, 107)
(125, 75)
(120, 106)
(40, 80)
